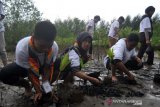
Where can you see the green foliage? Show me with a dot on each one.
(156, 32)
(135, 22)
(124, 32)
(156, 19)
(65, 42)
(156, 36)
(110, 54)
(63, 28)
(127, 22)
(100, 36)
(69, 27)
(21, 17)
(64, 62)
(21, 10)
(17, 31)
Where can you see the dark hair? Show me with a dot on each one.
(133, 37)
(45, 30)
(97, 17)
(121, 18)
(149, 9)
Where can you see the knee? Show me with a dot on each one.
(5, 75)
(6, 79)
(140, 66)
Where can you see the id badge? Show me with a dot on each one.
(47, 87)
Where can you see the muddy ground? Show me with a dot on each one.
(142, 93)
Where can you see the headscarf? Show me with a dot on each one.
(82, 37)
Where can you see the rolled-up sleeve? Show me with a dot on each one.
(74, 58)
(118, 52)
(75, 61)
(22, 53)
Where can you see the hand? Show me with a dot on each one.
(55, 98)
(139, 61)
(131, 77)
(96, 81)
(37, 97)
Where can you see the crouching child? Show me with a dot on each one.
(35, 57)
(72, 59)
(124, 57)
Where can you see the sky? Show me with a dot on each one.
(87, 9)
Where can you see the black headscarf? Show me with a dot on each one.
(81, 37)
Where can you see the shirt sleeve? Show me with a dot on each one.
(22, 54)
(1, 9)
(116, 24)
(146, 23)
(35, 81)
(118, 51)
(74, 59)
(90, 23)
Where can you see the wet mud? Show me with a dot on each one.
(83, 94)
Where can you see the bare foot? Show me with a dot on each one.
(114, 79)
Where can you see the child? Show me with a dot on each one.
(146, 32)
(90, 28)
(124, 58)
(73, 59)
(35, 56)
(113, 31)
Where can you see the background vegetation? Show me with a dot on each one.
(22, 15)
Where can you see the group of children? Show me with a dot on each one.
(37, 56)
(125, 57)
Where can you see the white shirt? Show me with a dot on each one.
(22, 53)
(145, 23)
(74, 58)
(121, 52)
(1, 22)
(92, 25)
(112, 32)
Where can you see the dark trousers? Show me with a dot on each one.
(13, 74)
(133, 65)
(143, 48)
